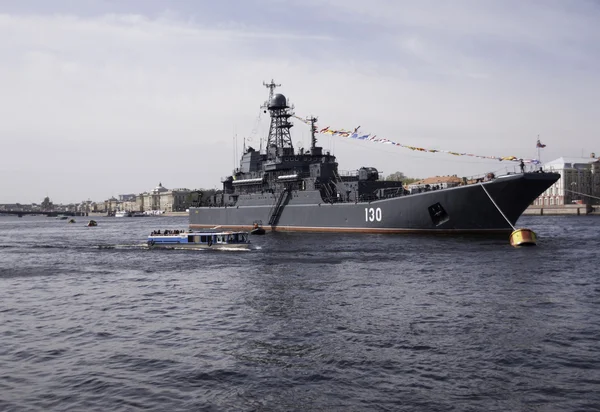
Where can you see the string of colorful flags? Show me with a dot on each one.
(355, 134)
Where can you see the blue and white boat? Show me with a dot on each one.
(181, 239)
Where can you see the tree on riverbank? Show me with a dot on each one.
(401, 177)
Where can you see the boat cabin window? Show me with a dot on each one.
(191, 238)
(203, 239)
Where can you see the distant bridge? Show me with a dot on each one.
(22, 213)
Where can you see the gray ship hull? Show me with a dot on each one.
(463, 209)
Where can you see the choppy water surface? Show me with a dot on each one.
(89, 320)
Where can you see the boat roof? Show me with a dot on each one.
(200, 232)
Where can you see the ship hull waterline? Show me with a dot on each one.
(466, 210)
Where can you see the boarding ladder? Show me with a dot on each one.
(276, 211)
(340, 184)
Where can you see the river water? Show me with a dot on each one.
(92, 321)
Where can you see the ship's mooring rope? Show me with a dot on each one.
(499, 210)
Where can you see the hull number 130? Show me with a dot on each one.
(372, 214)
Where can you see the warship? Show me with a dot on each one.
(288, 189)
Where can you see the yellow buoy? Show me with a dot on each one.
(523, 237)
(519, 237)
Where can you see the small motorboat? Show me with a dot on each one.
(92, 223)
(257, 229)
(181, 239)
(71, 221)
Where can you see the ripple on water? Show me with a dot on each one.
(91, 321)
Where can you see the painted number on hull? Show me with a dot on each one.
(372, 214)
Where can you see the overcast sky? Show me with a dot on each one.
(104, 97)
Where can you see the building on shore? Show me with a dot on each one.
(434, 183)
(85, 207)
(111, 205)
(163, 199)
(579, 182)
(158, 199)
(127, 198)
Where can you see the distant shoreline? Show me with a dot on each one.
(171, 214)
(563, 210)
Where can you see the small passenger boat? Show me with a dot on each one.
(257, 228)
(181, 239)
(92, 223)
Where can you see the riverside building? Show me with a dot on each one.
(163, 199)
(579, 182)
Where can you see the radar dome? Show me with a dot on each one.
(278, 102)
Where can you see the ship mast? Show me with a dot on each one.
(271, 86)
(279, 141)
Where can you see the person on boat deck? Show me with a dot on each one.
(522, 166)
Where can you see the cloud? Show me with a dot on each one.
(102, 103)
